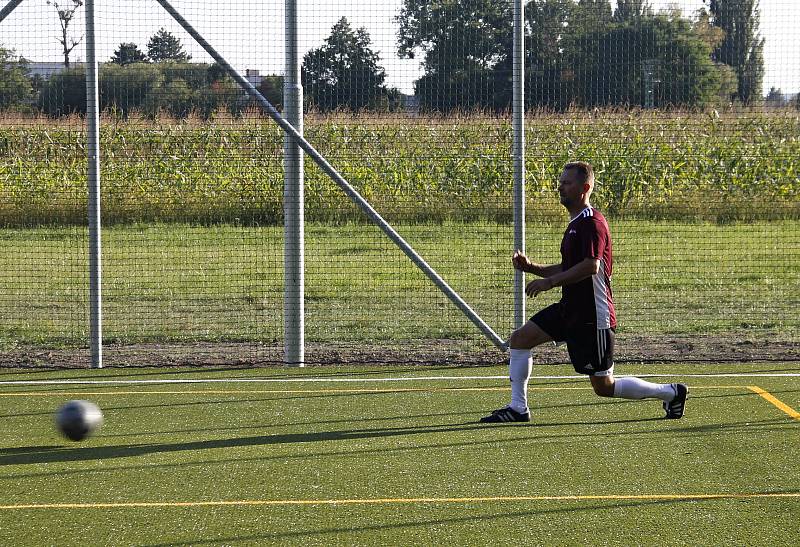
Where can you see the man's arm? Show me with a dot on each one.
(522, 263)
(544, 271)
(580, 271)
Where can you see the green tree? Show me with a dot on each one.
(271, 87)
(66, 12)
(128, 53)
(166, 47)
(15, 87)
(632, 10)
(742, 48)
(468, 51)
(657, 61)
(590, 16)
(344, 71)
(127, 88)
(463, 41)
(64, 93)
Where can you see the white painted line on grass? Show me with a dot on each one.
(352, 380)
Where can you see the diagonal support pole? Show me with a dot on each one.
(339, 180)
(6, 11)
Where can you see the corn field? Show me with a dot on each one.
(705, 166)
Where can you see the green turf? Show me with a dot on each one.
(304, 441)
(190, 283)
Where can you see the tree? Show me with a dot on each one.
(655, 60)
(591, 15)
(128, 53)
(15, 87)
(271, 87)
(741, 48)
(468, 51)
(463, 41)
(344, 71)
(128, 88)
(165, 46)
(632, 10)
(65, 16)
(64, 93)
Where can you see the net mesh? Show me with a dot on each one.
(688, 111)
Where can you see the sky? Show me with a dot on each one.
(249, 33)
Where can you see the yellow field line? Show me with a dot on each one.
(386, 501)
(304, 391)
(775, 401)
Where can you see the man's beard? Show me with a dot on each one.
(566, 201)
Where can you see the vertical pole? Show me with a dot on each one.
(93, 153)
(518, 114)
(293, 200)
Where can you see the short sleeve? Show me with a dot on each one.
(594, 239)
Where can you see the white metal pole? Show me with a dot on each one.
(93, 153)
(518, 114)
(293, 200)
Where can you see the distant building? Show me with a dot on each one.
(410, 103)
(253, 76)
(46, 70)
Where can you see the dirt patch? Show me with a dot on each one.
(415, 352)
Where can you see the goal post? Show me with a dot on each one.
(293, 200)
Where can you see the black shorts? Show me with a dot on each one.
(591, 350)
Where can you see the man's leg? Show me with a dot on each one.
(596, 347)
(673, 395)
(520, 363)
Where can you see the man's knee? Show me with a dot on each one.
(517, 340)
(528, 336)
(603, 386)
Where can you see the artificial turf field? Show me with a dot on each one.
(393, 455)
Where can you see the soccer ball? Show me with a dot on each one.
(76, 420)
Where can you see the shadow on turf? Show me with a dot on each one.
(59, 453)
(62, 454)
(342, 532)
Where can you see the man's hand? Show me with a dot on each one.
(539, 285)
(521, 262)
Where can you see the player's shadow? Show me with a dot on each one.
(33, 455)
(528, 433)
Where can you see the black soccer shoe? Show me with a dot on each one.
(676, 406)
(506, 414)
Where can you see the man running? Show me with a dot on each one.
(584, 318)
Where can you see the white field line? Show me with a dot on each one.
(362, 380)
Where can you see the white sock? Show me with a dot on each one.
(520, 363)
(636, 388)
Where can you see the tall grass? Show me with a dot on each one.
(737, 165)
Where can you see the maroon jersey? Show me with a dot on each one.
(588, 300)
